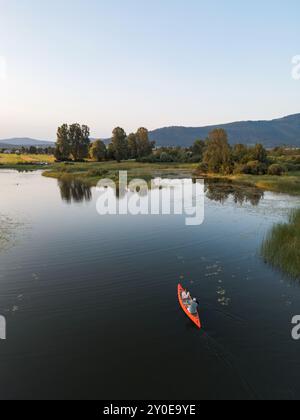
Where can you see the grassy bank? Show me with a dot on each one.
(91, 172)
(289, 183)
(281, 248)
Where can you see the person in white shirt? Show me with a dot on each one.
(186, 295)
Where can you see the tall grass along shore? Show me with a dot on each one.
(281, 247)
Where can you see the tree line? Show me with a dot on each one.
(31, 150)
(214, 154)
(73, 143)
(222, 158)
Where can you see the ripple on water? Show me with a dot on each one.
(10, 231)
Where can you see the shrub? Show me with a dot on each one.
(276, 169)
(186, 157)
(291, 167)
(203, 168)
(226, 169)
(195, 159)
(255, 168)
(165, 157)
(149, 159)
(239, 169)
(296, 160)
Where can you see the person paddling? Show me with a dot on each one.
(193, 307)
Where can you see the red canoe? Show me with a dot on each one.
(194, 318)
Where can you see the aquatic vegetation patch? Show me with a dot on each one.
(281, 248)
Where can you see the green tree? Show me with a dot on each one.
(198, 149)
(165, 157)
(72, 141)
(239, 153)
(132, 146)
(110, 152)
(144, 146)
(63, 147)
(259, 154)
(79, 141)
(119, 144)
(98, 151)
(33, 150)
(217, 154)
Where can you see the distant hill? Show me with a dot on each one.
(282, 131)
(24, 141)
(278, 132)
(5, 146)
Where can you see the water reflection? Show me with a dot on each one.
(221, 191)
(74, 190)
(123, 267)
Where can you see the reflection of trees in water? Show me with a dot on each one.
(221, 192)
(74, 190)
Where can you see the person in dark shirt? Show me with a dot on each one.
(193, 307)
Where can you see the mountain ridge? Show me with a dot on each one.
(271, 133)
(24, 141)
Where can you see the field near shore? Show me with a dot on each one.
(15, 160)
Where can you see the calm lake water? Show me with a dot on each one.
(91, 302)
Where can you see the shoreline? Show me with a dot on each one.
(91, 172)
(285, 184)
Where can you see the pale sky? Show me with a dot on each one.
(151, 63)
